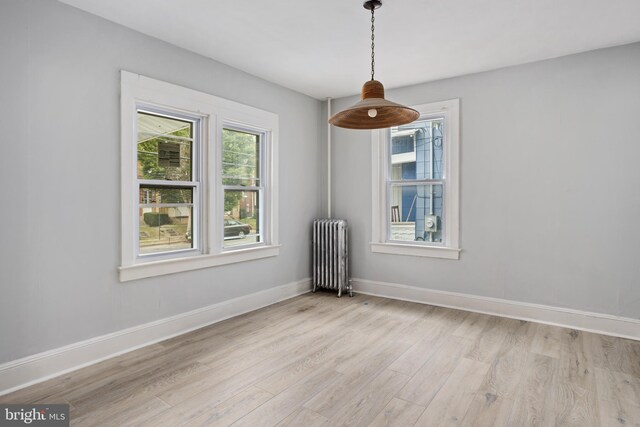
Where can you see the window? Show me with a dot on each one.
(416, 185)
(168, 182)
(199, 181)
(242, 185)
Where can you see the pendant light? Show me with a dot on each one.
(373, 111)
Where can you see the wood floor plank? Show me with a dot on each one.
(363, 407)
(613, 413)
(369, 342)
(284, 404)
(632, 357)
(398, 413)
(152, 384)
(576, 364)
(547, 341)
(259, 364)
(236, 362)
(303, 417)
(231, 409)
(434, 373)
(593, 344)
(507, 366)
(452, 401)
(437, 334)
(574, 405)
(414, 330)
(293, 372)
(535, 400)
(472, 326)
(576, 400)
(188, 400)
(488, 343)
(494, 400)
(298, 325)
(488, 409)
(117, 414)
(617, 386)
(615, 354)
(354, 380)
(618, 397)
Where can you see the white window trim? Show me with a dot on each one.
(450, 248)
(216, 113)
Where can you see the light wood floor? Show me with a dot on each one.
(319, 360)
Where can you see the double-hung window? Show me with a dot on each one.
(199, 179)
(243, 185)
(416, 184)
(168, 182)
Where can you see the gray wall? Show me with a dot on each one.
(60, 178)
(550, 185)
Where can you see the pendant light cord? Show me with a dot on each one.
(373, 45)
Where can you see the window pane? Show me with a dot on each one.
(241, 217)
(159, 195)
(240, 158)
(416, 213)
(417, 150)
(156, 125)
(165, 229)
(164, 148)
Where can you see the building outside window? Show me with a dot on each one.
(416, 181)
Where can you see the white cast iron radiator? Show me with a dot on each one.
(331, 255)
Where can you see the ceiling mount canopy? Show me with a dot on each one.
(373, 111)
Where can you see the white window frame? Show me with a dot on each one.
(214, 114)
(261, 189)
(195, 183)
(449, 248)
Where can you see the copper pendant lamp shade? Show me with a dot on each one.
(373, 111)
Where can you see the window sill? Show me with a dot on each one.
(169, 266)
(415, 250)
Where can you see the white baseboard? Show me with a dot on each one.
(623, 327)
(39, 367)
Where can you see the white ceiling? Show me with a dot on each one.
(321, 47)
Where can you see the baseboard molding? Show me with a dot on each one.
(40, 367)
(623, 327)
